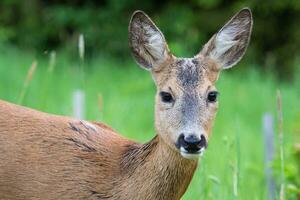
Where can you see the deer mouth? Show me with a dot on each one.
(192, 155)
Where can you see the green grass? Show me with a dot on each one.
(236, 145)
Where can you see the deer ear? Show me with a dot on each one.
(146, 41)
(228, 46)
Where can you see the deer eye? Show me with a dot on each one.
(212, 96)
(166, 97)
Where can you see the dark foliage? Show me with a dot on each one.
(187, 25)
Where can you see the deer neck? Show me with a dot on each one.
(155, 171)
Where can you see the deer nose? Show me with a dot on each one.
(192, 143)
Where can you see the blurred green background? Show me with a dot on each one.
(40, 68)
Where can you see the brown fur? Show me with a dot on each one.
(39, 160)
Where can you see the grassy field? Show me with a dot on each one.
(235, 157)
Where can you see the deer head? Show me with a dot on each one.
(186, 99)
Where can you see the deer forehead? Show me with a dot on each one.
(188, 74)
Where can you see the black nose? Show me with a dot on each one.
(191, 143)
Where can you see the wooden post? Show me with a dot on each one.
(79, 94)
(268, 129)
(79, 104)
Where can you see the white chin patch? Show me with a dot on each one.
(192, 156)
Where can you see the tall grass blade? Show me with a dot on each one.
(52, 61)
(48, 78)
(236, 162)
(81, 47)
(81, 51)
(280, 133)
(28, 78)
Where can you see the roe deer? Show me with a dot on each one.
(44, 156)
